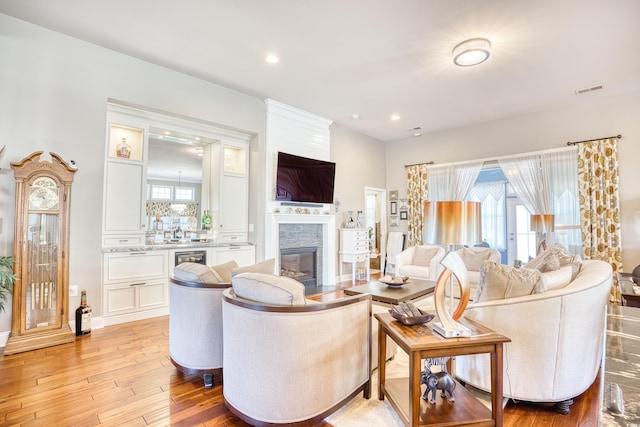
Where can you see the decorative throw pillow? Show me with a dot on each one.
(499, 281)
(423, 255)
(267, 266)
(555, 257)
(224, 270)
(474, 257)
(194, 272)
(268, 288)
(555, 279)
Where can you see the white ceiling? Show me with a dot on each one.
(373, 57)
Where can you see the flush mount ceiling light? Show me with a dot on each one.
(471, 52)
(272, 59)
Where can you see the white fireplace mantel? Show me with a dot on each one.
(328, 222)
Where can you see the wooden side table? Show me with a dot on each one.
(420, 342)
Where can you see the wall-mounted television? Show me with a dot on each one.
(300, 179)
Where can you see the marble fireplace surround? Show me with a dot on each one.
(328, 223)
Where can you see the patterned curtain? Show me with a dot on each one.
(417, 189)
(599, 205)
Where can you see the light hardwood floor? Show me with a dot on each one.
(122, 376)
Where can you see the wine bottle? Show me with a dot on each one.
(206, 220)
(83, 316)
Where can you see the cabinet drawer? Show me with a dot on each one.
(119, 299)
(243, 255)
(126, 298)
(152, 295)
(128, 240)
(233, 237)
(135, 266)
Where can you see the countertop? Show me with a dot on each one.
(173, 245)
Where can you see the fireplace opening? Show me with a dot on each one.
(299, 264)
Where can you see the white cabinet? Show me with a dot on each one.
(234, 195)
(135, 285)
(124, 185)
(354, 249)
(243, 255)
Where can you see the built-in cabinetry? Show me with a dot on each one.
(234, 195)
(243, 255)
(135, 285)
(354, 249)
(135, 282)
(124, 184)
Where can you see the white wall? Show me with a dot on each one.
(360, 162)
(53, 97)
(591, 117)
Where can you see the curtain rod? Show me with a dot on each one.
(419, 164)
(596, 139)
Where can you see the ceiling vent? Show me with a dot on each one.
(589, 89)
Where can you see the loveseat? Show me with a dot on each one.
(557, 339)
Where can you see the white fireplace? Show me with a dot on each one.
(327, 221)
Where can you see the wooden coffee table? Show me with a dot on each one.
(381, 292)
(420, 342)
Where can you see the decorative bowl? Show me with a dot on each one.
(394, 281)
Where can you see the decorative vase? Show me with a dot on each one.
(359, 219)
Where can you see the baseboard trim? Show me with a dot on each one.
(4, 337)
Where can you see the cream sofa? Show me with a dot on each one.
(557, 339)
(288, 360)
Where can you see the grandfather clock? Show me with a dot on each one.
(40, 297)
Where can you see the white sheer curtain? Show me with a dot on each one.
(526, 177)
(491, 195)
(560, 170)
(452, 182)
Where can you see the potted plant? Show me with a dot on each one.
(7, 279)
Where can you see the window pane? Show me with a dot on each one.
(185, 193)
(160, 192)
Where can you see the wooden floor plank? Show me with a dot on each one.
(122, 375)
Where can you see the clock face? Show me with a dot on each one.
(44, 195)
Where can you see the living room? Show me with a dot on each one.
(55, 90)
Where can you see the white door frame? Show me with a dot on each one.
(382, 194)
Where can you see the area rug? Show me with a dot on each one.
(360, 412)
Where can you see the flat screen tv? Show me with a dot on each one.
(300, 179)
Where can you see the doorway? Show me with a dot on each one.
(376, 223)
(521, 244)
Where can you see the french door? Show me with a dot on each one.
(521, 241)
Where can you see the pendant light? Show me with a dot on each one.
(178, 207)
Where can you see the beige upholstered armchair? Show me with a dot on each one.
(420, 262)
(288, 360)
(195, 315)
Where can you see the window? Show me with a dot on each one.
(160, 192)
(185, 194)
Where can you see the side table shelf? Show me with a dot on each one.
(420, 342)
(466, 409)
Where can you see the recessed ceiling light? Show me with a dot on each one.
(395, 117)
(471, 52)
(166, 132)
(355, 116)
(272, 59)
(417, 134)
